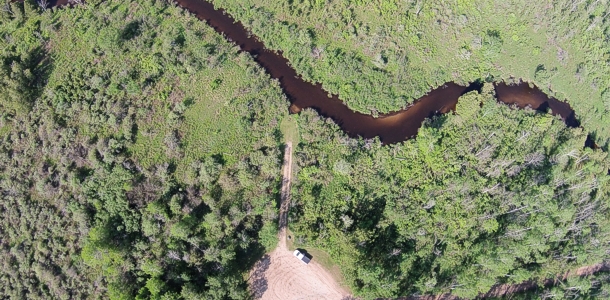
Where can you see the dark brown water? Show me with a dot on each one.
(391, 128)
(523, 95)
(58, 3)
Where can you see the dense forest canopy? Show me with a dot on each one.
(140, 150)
(120, 177)
(516, 198)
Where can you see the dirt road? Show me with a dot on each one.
(280, 275)
(285, 195)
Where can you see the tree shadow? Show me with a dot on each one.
(131, 30)
(259, 283)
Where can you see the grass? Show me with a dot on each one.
(212, 125)
(218, 122)
(224, 91)
(5, 129)
(289, 128)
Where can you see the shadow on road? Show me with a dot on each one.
(259, 282)
(285, 194)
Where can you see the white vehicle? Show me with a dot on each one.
(301, 257)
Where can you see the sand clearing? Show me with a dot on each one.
(280, 275)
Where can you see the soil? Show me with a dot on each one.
(280, 275)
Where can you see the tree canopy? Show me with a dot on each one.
(488, 195)
(126, 174)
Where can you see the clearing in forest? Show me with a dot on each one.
(280, 275)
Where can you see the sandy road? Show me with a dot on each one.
(280, 275)
(285, 195)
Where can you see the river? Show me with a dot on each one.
(391, 128)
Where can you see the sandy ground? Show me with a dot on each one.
(280, 275)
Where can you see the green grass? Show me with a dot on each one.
(211, 125)
(5, 129)
(218, 123)
(290, 129)
(149, 148)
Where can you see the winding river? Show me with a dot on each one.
(391, 128)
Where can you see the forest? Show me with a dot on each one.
(141, 150)
(515, 199)
(119, 177)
